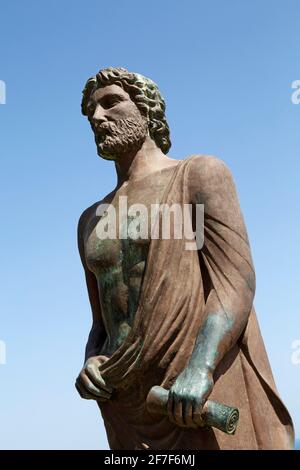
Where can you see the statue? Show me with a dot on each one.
(175, 351)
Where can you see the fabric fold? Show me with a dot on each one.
(170, 313)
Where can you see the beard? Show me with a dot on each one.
(114, 139)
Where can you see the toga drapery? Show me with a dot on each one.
(167, 321)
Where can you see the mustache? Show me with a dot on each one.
(113, 127)
(114, 138)
(101, 130)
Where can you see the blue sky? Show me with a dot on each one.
(225, 69)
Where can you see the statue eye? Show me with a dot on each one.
(112, 101)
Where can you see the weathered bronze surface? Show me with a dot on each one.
(212, 414)
(165, 315)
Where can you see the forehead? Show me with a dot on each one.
(100, 93)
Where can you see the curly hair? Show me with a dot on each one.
(145, 94)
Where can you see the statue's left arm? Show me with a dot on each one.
(226, 260)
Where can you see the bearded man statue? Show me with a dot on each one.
(164, 315)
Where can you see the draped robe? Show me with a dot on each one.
(170, 314)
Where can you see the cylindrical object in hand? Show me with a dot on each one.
(213, 414)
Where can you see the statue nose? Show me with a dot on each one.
(98, 116)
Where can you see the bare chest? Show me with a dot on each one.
(118, 233)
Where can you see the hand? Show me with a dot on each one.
(187, 397)
(90, 384)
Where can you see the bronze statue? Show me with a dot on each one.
(175, 351)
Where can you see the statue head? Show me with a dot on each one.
(123, 108)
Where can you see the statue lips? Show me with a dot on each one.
(101, 132)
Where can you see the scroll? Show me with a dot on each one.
(214, 414)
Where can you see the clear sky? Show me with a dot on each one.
(225, 69)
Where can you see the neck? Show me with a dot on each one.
(146, 160)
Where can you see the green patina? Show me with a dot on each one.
(206, 349)
(120, 285)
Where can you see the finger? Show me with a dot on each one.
(91, 388)
(177, 412)
(187, 414)
(102, 359)
(94, 375)
(82, 392)
(170, 407)
(197, 414)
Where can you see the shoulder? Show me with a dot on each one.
(208, 173)
(204, 166)
(85, 216)
(91, 211)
